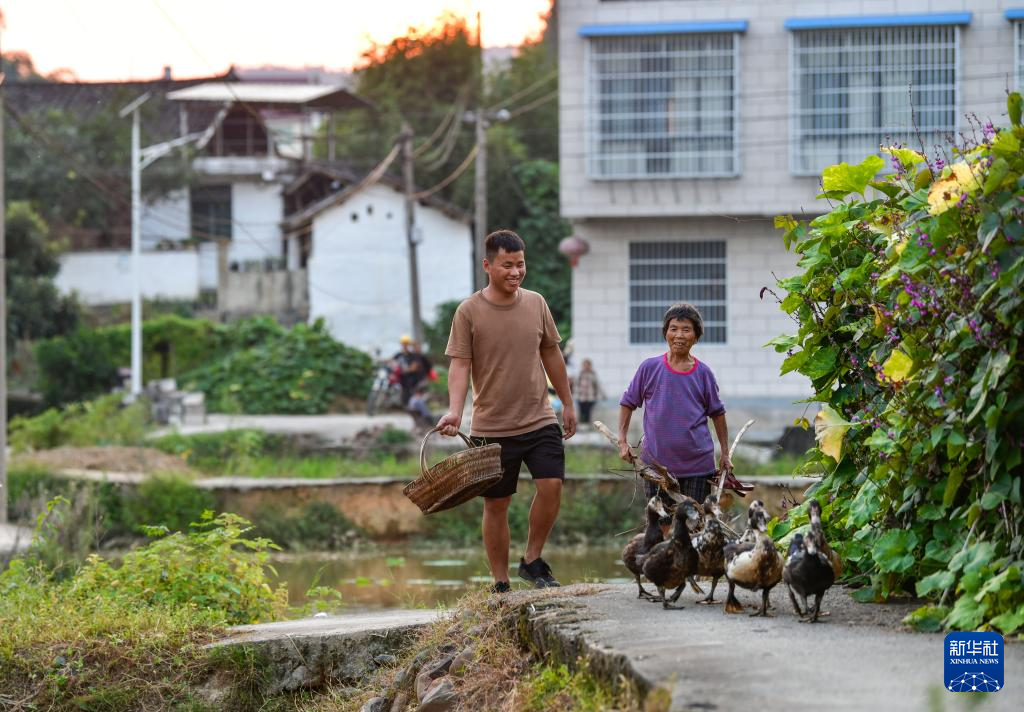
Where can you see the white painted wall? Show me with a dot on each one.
(765, 185)
(358, 269)
(105, 277)
(256, 212)
(753, 252)
(166, 219)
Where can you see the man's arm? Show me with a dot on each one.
(625, 415)
(554, 366)
(722, 431)
(458, 384)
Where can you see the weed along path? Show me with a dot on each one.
(857, 659)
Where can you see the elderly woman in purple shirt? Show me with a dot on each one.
(678, 394)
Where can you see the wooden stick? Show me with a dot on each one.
(732, 451)
(652, 473)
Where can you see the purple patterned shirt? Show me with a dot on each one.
(676, 406)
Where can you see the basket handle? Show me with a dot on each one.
(423, 445)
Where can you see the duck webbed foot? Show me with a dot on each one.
(643, 592)
(732, 604)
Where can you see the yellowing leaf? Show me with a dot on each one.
(878, 315)
(906, 156)
(829, 430)
(945, 193)
(898, 366)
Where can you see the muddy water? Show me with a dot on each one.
(403, 577)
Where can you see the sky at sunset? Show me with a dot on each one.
(122, 39)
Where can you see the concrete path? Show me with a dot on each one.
(855, 660)
(332, 428)
(14, 539)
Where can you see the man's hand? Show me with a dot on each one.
(449, 424)
(568, 422)
(624, 452)
(725, 463)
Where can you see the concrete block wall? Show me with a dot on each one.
(765, 185)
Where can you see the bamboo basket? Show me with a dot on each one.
(456, 479)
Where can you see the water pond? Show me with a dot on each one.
(406, 576)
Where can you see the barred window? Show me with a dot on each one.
(854, 90)
(664, 106)
(1018, 47)
(663, 273)
(211, 211)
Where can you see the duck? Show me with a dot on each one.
(807, 572)
(670, 563)
(835, 561)
(637, 547)
(710, 545)
(753, 564)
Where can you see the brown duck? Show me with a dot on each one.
(670, 563)
(634, 552)
(754, 564)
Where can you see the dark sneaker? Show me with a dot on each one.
(501, 587)
(537, 572)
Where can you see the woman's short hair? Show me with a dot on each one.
(682, 310)
(502, 240)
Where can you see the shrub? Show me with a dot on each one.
(104, 421)
(910, 317)
(304, 371)
(227, 451)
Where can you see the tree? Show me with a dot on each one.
(35, 308)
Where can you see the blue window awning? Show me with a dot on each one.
(1016, 13)
(662, 28)
(838, 23)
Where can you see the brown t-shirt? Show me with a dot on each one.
(510, 393)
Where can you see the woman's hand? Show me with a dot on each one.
(624, 452)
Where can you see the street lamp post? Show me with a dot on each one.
(141, 158)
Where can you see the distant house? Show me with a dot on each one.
(263, 228)
(686, 126)
(352, 244)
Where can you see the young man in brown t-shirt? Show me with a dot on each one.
(504, 336)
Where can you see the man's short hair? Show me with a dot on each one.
(502, 240)
(682, 310)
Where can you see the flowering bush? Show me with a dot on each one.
(910, 315)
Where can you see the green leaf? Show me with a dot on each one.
(956, 477)
(991, 500)
(894, 551)
(996, 174)
(908, 157)
(1009, 622)
(966, 615)
(793, 362)
(927, 619)
(938, 581)
(821, 363)
(846, 179)
(973, 558)
(1013, 106)
(865, 595)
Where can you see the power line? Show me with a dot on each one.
(524, 92)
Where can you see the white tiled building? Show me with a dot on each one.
(686, 126)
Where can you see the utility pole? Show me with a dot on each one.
(133, 109)
(3, 318)
(480, 179)
(410, 231)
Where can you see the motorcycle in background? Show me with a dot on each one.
(386, 392)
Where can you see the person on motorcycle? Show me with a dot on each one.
(412, 366)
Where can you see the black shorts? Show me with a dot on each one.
(542, 450)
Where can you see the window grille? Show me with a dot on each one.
(664, 106)
(211, 211)
(854, 89)
(663, 273)
(1018, 47)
